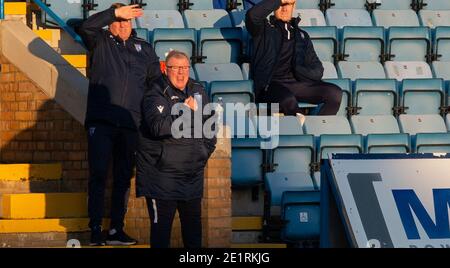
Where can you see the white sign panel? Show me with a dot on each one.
(395, 202)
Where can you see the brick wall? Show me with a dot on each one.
(35, 129)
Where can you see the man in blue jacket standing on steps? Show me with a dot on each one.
(121, 66)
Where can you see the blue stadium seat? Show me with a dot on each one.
(382, 133)
(201, 4)
(161, 5)
(247, 162)
(441, 69)
(245, 70)
(285, 125)
(226, 40)
(375, 96)
(408, 43)
(308, 4)
(441, 41)
(407, 70)
(232, 91)
(65, 9)
(310, 17)
(348, 4)
(432, 143)
(346, 86)
(434, 18)
(153, 19)
(422, 96)
(361, 70)
(215, 18)
(362, 43)
(165, 40)
(300, 210)
(331, 144)
(394, 4)
(389, 18)
(142, 33)
(218, 72)
(428, 123)
(325, 42)
(437, 4)
(348, 17)
(318, 125)
(448, 122)
(241, 125)
(329, 71)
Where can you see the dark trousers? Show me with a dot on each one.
(288, 93)
(162, 213)
(108, 142)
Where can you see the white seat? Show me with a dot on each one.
(429, 123)
(360, 70)
(153, 19)
(374, 124)
(407, 70)
(388, 18)
(218, 72)
(434, 18)
(310, 17)
(348, 17)
(215, 18)
(330, 71)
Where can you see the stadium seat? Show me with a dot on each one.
(348, 17)
(277, 183)
(358, 70)
(318, 125)
(242, 125)
(284, 125)
(437, 4)
(346, 86)
(310, 17)
(201, 4)
(65, 9)
(218, 72)
(388, 143)
(428, 123)
(308, 4)
(448, 122)
(407, 70)
(161, 5)
(422, 96)
(375, 96)
(441, 69)
(362, 43)
(325, 41)
(330, 71)
(103, 5)
(347, 4)
(142, 33)
(220, 45)
(165, 40)
(331, 144)
(408, 43)
(238, 18)
(432, 143)
(434, 18)
(395, 5)
(441, 41)
(389, 18)
(247, 159)
(232, 91)
(300, 211)
(215, 18)
(153, 19)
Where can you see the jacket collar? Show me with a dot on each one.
(294, 21)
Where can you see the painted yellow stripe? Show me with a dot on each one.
(77, 61)
(41, 206)
(246, 223)
(262, 245)
(47, 225)
(26, 172)
(46, 34)
(15, 8)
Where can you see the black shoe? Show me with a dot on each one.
(119, 238)
(97, 238)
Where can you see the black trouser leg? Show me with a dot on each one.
(161, 214)
(100, 144)
(191, 222)
(124, 160)
(289, 92)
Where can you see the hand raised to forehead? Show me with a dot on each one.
(128, 12)
(287, 2)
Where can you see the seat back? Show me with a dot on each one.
(246, 162)
(409, 43)
(215, 18)
(348, 17)
(226, 40)
(165, 40)
(362, 43)
(310, 17)
(422, 96)
(324, 40)
(218, 72)
(375, 96)
(152, 19)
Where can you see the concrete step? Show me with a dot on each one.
(252, 223)
(43, 205)
(29, 172)
(69, 225)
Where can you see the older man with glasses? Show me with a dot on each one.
(170, 168)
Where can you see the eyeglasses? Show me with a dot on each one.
(177, 68)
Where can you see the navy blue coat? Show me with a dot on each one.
(267, 41)
(170, 168)
(119, 72)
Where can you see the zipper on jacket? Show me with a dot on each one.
(127, 63)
